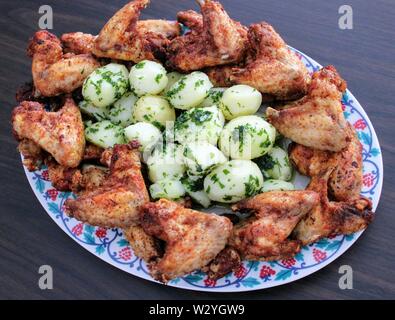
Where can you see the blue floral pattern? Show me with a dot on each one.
(111, 246)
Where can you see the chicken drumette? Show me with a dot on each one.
(59, 133)
(54, 72)
(192, 238)
(214, 39)
(265, 235)
(125, 38)
(317, 119)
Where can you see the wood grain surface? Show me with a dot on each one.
(365, 56)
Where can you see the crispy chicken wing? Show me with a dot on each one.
(345, 181)
(33, 155)
(215, 41)
(78, 42)
(265, 236)
(192, 238)
(125, 38)
(271, 67)
(226, 261)
(317, 119)
(144, 246)
(116, 202)
(54, 73)
(60, 133)
(331, 218)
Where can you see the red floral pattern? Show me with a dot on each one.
(101, 232)
(288, 262)
(210, 282)
(240, 272)
(45, 175)
(125, 254)
(368, 179)
(266, 272)
(77, 229)
(319, 255)
(360, 124)
(52, 194)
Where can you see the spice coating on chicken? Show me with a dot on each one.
(125, 38)
(217, 40)
(59, 133)
(116, 202)
(192, 238)
(53, 72)
(316, 120)
(265, 235)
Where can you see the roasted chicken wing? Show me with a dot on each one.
(125, 38)
(265, 235)
(271, 67)
(144, 246)
(215, 39)
(345, 181)
(192, 238)
(331, 218)
(317, 119)
(78, 42)
(60, 133)
(33, 155)
(116, 202)
(53, 72)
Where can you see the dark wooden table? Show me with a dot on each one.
(365, 56)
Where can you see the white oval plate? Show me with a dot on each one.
(110, 245)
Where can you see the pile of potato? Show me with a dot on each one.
(198, 140)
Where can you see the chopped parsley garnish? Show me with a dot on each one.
(158, 77)
(140, 65)
(252, 186)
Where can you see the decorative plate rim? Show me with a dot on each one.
(236, 287)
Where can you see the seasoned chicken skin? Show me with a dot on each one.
(33, 155)
(192, 238)
(78, 42)
(215, 39)
(272, 68)
(144, 246)
(55, 73)
(59, 133)
(265, 235)
(331, 218)
(116, 202)
(316, 120)
(125, 38)
(345, 181)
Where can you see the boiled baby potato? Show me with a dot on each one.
(147, 77)
(122, 111)
(274, 185)
(200, 157)
(106, 85)
(145, 133)
(233, 181)
(275, 165)
(99, 113)
(104, 134)
(213, 97)
(155, 110)
(194, 188)
(247, 137)
(240, 100)
(166, 162)
(172, 77)
(190, 91)
(167, 189)
(199, 124)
